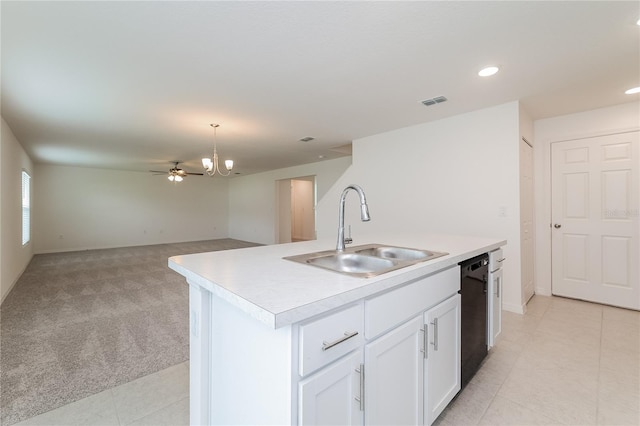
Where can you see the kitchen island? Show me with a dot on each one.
(278, 342)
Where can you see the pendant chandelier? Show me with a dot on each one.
(210, 165)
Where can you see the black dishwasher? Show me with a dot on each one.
(473, 291)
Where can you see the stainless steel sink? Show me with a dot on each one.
(351, 263)
(400, 253)
(367, 260)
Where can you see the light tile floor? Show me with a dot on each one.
(161, 398)
(563, 362)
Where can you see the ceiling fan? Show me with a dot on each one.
(176, 174)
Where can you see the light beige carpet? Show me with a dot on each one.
(78, 323)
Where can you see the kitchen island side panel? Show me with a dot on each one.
(241, 368)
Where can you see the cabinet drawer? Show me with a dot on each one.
(396, 306)
(495, 260)
(328, 338)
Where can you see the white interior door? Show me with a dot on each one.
(595, 188)
(526, 220)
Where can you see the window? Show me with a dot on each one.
(26, 207)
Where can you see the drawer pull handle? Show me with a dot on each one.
(347, 335)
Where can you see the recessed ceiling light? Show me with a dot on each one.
(486, 72)
(633, 91)
(638, 23)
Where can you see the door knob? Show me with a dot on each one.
(557, 226)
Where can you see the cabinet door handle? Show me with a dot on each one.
(347, 335)
(425, 348)
(360, 398)
(435, 334)
(498, 285)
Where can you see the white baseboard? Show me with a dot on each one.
(543, 291)
(518, 309)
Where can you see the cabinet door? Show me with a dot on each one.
(394, 376)
(495, 306)
(442, 373)
(332, 395)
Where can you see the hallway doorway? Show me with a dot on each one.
(296, 209)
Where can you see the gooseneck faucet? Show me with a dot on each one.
(364, 213)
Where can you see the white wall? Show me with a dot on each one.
(14, 257)
(450, 176)
(603, 121)
(83, 208)
(252, 199)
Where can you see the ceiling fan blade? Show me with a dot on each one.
(175, 171)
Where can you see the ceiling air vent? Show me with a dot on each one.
(306, 139)
(433, 101)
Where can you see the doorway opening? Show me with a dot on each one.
(296, 209)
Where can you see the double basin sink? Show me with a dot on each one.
(367, 260)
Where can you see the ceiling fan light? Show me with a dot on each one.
(228, 164)
(171, 177)
(178, 178)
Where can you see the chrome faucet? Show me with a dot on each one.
(364, 213)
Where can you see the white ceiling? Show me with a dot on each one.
(134, 85)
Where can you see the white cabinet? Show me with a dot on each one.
(328, 338)
(367, 363)
(494, 323)
(333, 395)
(411, 363)
(495, 306)
(387, 310)
(394, 375)
(442, 372)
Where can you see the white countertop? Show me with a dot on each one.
(280, 292)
